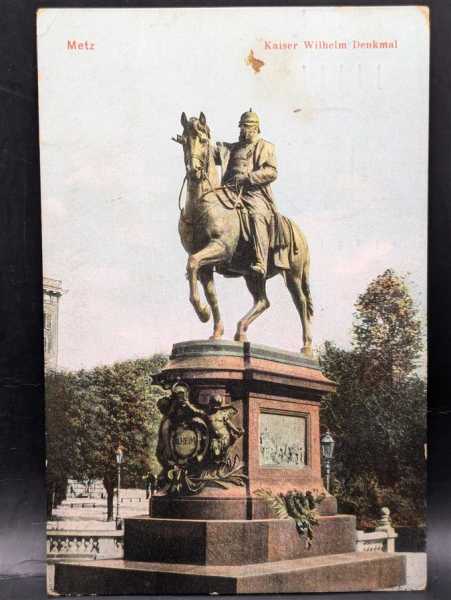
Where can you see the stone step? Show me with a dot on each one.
(349, 572)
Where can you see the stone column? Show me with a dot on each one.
(53, 291)
(384, 524)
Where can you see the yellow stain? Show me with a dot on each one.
(424, 10)
(254, 62)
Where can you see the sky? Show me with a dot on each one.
(350, 128)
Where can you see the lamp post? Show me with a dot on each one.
(327, 450)
(119, 459)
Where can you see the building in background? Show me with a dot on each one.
(52, 293)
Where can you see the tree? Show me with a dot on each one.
(378, 414)
(387, 329)
(117, 407)
(60, 436)
(90, 413)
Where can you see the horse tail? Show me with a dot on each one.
(300, 261)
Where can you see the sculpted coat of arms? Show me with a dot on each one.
(194, 443)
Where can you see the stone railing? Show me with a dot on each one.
(96, 502)
(68, 544)
(95, 490)
(132, 493)
(382, 539)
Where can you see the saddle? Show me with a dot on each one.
(282, 240)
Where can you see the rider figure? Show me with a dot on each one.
(249, 167)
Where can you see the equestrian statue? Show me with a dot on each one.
(232, 225)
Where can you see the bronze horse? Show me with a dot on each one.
(210, 229)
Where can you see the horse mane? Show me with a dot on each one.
(195, 126)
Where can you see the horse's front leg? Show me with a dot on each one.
(257, 288)
(214, 252)
(206, 278)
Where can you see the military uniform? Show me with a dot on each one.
(253, 165)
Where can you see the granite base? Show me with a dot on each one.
(349, 572)
(198, 507)
(233, 542)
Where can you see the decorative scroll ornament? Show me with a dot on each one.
(194, 444)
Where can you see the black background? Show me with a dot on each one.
(22, 456)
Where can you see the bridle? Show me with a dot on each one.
(204, 169)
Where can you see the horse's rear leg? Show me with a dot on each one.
(206, 278)
(257, 287)
(294, 284)
(213, 253)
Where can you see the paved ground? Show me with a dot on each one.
(416, 571)
(92, 517)
(33, 588)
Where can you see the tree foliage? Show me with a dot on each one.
(387, 329)
(378, 414)
(110, 406)
(60, 436)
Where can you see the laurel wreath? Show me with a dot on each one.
(181, 481)
(299, 506)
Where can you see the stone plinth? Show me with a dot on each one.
(350, 572)
(233, 542)
(226, 541)
(272, 390)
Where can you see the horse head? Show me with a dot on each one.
(196, 146)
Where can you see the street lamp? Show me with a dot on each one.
(327, 450)
(119, 459)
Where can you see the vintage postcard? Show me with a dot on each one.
(234, 222)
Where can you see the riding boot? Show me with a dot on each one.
(260, 239)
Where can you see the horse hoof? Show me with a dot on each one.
(307, 351)
(240, 337)
(217, 333)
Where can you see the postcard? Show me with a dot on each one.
(234, 228)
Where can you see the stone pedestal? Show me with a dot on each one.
(277, 395)
(227, 540)
(233, 542)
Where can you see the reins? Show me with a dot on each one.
(181, 191)
(233, 204)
